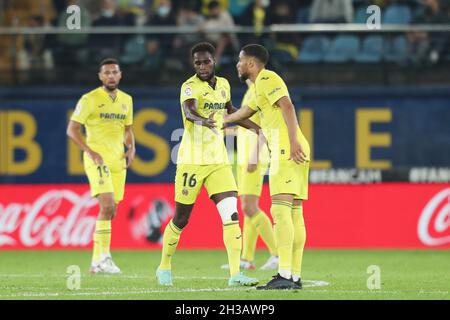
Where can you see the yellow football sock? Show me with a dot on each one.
(299, 240)
(170, 241)
(284, 235)
(264, 226)
(249, 237)
(102, 239)
(232, 238)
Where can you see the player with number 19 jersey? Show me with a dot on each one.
(105, 120)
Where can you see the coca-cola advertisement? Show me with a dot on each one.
(337, 216)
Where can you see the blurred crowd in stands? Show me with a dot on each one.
(150, 51)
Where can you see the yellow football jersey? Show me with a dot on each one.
(269, 88)
(105, 120)
(247, 139)
(201, 145)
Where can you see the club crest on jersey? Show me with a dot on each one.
(78, 108)
(188, 91)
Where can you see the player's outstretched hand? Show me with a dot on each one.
(210, 122)
(97, 158)
(226, 118)
(297, 153)
(129, 155)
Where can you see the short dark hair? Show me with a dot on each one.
(213, 5)
(257, 51)
(203, 47)
(108, 61)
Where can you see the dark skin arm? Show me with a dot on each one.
(191, 114)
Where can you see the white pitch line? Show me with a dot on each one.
(111, 293)
(376, 291)
(57, 294)
(124, 276)
(312, 283)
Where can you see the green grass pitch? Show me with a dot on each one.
(328, 274)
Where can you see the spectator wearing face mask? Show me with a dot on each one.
(219, 18)
(105, 45)
(160, 45)
(187, 17)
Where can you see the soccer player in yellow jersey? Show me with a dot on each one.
(289, 161)
(250, 173)
(107, 115)
(203, 160)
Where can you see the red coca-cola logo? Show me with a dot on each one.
(57, 217)
(434, 223)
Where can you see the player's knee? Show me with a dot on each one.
(249, 209)
(228, 209)
(109, 209)
(180, 220)
(114, 213)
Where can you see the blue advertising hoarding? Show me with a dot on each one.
(364, 128)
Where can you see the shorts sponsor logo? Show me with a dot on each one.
(434, 223)
(185, 192)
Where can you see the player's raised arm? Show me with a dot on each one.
(191, 114)
(74, 133)
(290, 118)
(130, 144)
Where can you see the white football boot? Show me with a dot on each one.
(106, 265)
(271, 264)
(244, 264)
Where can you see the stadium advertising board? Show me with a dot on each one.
(384, 215)
(362, 129)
